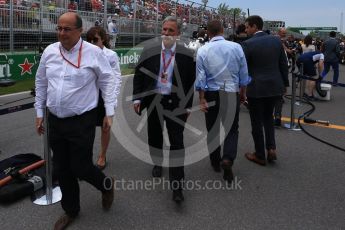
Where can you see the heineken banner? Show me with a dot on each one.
(21, 66)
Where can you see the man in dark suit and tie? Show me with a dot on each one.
(163, 84)
(268, 68)
(331, 50)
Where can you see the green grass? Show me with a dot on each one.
(27, 85)
(126, 71)
(20, 86)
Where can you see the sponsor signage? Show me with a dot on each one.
(316, 28)
(22, 66)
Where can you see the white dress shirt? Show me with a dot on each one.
(68, 91)
(115, 65)
(164, 88)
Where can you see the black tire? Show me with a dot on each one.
(322, 93)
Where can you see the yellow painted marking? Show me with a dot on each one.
(330, 126)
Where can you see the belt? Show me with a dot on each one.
(73, 117)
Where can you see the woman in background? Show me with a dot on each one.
(308, 44)
(97, 36)
(306, 48)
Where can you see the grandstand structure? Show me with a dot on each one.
(273, 25)
(29, 24)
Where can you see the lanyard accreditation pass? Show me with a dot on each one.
(79, 56)
(164, 76)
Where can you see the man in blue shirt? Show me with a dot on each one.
(222, 77)
(309, 61)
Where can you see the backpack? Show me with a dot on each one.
(20, 176)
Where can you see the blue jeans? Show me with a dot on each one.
(335, 67)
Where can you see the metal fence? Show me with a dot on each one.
(27, 24)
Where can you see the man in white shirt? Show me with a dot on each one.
(68, 80)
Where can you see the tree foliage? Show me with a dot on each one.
(296, 30)
(224, 9)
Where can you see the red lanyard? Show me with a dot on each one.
(166, 65)
(79, 56)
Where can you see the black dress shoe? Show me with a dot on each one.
(277, 122)
(216, 167)
(108, 197)
(157, 171)
(228, 174)
(63, 222)
(178, 196)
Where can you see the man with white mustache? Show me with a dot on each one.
(163, 84)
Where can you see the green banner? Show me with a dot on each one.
(315, 28)
(18, 66)
(128, 57)
(23, 66)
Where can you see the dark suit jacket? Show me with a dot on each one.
(267, 66)
(147, 70)
(331, 50)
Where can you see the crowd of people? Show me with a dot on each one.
(78, 82)
(316, 64)
(26, 14)
(26, 10)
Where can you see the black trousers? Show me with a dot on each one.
(165, 108)
(71, 140)
(261, 117)
(226, 111)
(278, 108)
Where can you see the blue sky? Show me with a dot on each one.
(293, 12)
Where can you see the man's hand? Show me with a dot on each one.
(107, 122)
(243, 96)
(203, 105)
(285, 91)
(188, 113)
(39, 125)
(136, 107)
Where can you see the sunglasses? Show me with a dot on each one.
(94, 40)
(65, 29)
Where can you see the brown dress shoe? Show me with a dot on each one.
(253, 157)
(108, 197)
(63, 222)
(271, 155)
(227, 167)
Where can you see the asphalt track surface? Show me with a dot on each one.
(304, 189)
